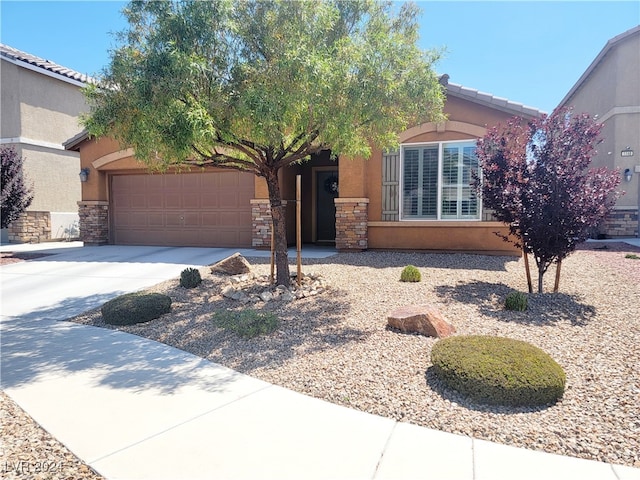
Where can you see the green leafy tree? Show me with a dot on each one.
(16, 195)
(259, 85)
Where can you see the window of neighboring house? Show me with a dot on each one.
(437, 181)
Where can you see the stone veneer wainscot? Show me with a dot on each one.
(352, 215)
(94, 222)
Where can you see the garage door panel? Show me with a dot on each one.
(195, 209)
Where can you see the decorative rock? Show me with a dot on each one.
(236, 264)
(424, 319)
(266, 296)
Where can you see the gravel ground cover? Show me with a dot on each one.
(335, 346)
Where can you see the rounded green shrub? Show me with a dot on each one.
(138, 307)
(190, 278)
(410, 274)
(516, 301)
(498, 371)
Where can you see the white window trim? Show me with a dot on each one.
(439, 192)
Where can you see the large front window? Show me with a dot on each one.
(437, 181)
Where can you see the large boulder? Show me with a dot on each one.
(423, 319)
(236, 264)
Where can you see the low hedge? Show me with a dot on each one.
(138, 307)
(498, 371)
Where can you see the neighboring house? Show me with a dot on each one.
(610, 90)
(417, 198)
(41, 102)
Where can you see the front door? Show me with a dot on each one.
(326, 190)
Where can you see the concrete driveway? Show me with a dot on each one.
(74, 279)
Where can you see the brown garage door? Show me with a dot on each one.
(194, 209)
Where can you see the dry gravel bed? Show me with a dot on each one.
(336, 346)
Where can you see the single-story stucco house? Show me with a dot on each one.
(417, 198)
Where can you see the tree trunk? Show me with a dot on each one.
(279, 226)
(541, 271)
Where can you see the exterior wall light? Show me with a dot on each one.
(84, 174)
(628, 174)
(627, 152)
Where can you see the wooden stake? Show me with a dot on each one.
(299, 227)
(557, 284)
(526, 266)
(273, 254)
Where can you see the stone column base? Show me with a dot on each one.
(352, 215)
(261, 223)
(94, 222)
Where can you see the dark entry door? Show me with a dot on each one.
(326, 192)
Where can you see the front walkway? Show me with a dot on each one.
(136, 409)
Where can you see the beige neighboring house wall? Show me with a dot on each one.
(610, 89)
(41, 103)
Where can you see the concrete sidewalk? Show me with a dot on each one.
(136, 409)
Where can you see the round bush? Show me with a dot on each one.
(498, 371)
(516, 301)
(135, 308)
(410, 274)
(190, 278)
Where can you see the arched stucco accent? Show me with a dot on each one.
(448, 126)
(112, 157)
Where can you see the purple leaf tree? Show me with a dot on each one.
(16, 195)
(536, 178)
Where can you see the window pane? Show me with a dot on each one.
(429, 205)
(410, 183)
(449, 165)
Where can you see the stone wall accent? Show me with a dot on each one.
(94, 222)
(352, 215)
(30, 227)
(621, 223)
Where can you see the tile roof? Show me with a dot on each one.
(16, 56)
(482, 98)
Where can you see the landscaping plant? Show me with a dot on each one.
(536, 178)
(190, 278)
(498, 371)
(16, 195)
(516, 301)
(137, 307)
(410, 274)
(247, 323)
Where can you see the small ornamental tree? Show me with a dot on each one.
(259, 85)
(536, 178)
(16, 195)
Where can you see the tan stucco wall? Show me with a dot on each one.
(441, 235)
(612, 92)
(54, 176)
(9, 100)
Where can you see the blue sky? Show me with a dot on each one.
(528, 52)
